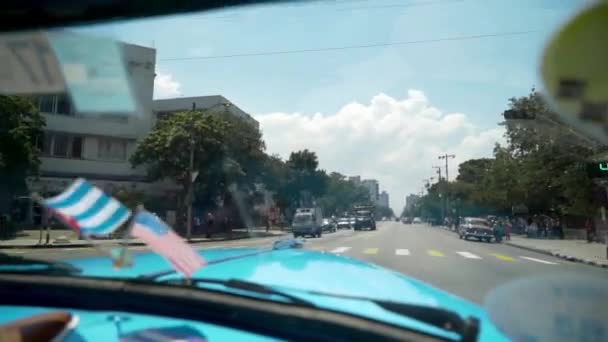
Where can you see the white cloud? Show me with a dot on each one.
(165, 86)
(396, 141)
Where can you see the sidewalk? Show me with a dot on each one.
(69, 239)
(573, 250)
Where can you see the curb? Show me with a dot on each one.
(85, 245)
(558, 255)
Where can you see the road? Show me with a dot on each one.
(469, 269)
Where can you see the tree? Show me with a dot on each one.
(341, 195)
(382, 211)
(306, 181)
(21, 132)
(226, 153)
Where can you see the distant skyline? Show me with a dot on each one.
(376, 88)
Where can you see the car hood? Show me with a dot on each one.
(304, 270)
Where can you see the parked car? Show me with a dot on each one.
(476, 227)
(328, 225)
(344, 223)
(417, 220)
(406, 220)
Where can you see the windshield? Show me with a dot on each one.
(300, 219)
(231, 127)
(479, 222)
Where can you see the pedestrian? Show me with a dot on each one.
(210, 220)
(498, 231)
(590, 229)
(508, 230)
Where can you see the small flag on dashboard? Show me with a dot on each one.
(87, 209)
(162, 240)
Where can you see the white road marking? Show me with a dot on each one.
(402, 252)
(237, 246)
(340, 250)
(469, 255)
(539, 260)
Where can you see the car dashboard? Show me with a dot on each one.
(123, 326)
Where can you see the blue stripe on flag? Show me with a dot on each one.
(99, 204)
(118, 217)
(151, 222)
(73, 198)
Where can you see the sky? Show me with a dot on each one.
(377, 88)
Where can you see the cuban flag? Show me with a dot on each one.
(162, 240)
(87, 209)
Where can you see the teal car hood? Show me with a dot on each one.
(300, 270)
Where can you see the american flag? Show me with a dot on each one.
(165, 242)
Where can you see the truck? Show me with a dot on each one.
(307, 221)
(364, 217)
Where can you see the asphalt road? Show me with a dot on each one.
(430, 254)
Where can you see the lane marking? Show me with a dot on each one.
(315, 248)
(469, 255)
(539, 260)
(503, 257)
(371, 251)
(340, 250)
(237, 246)
(435, 253)
(402, 252)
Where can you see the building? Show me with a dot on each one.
(92, 145)
(356, 180)
(383, 199)
(373, 188)
(165, 107)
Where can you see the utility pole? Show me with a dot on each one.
(446, 157)
(438, 173)
(190, 193)
(445, 190)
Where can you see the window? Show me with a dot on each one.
(55, 104)
(112, 149)
(64, 106)
(62, 145)
(47, 104)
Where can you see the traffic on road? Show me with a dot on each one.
(263, 170)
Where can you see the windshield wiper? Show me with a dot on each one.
(468, 328)
(241, 285)
(18, 264)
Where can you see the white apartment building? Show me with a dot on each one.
(97, 147)
(212, 103)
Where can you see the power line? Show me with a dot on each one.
(350, 47)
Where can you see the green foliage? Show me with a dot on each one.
(382, 211)
(21, 128)
(538, 168)
(341, 195)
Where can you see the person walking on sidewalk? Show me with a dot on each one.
(507, 226)
(209, 220)
(590, 229)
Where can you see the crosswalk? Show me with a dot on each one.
(404, 252)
